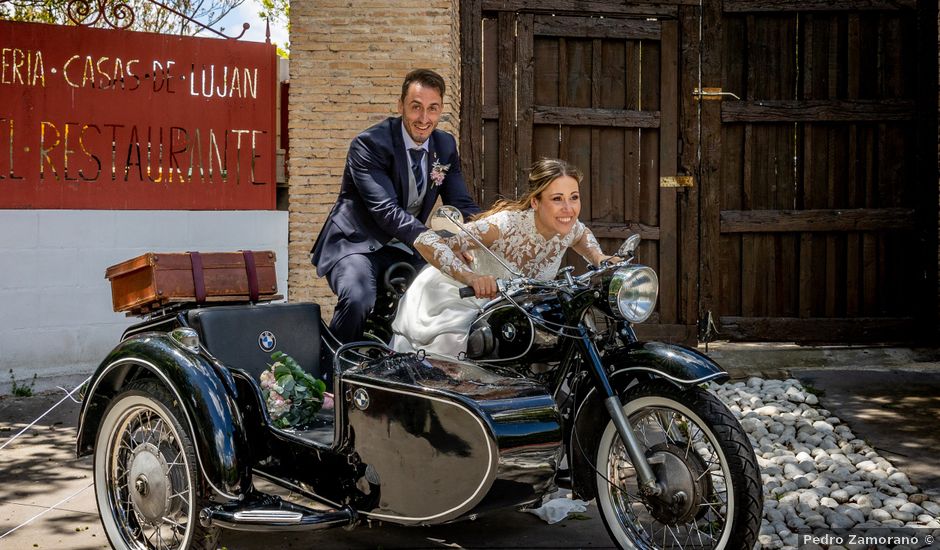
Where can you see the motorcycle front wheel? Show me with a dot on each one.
(712, 495)
(146, 484)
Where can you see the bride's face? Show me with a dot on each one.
(557, 207)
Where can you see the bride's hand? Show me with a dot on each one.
(484, 286)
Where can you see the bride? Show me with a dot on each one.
(531, 234)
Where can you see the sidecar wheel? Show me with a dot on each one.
(146, 483)
(713, 495)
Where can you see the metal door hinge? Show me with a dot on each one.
(711, 94)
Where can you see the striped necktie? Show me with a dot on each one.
(417, 167)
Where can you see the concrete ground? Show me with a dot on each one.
(891, 397)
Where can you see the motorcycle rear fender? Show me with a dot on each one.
(216, 427)
(684, 367)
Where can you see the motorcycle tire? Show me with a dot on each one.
(147, 486)
(694, 503)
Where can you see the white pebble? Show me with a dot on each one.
(828, 502)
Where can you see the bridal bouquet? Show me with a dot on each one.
(293, 397)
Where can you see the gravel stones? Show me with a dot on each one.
(816, 473)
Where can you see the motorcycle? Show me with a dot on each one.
(177, 423)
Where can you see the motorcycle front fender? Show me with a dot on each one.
(680, 365)
(208, 407)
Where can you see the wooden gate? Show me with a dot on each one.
(802, 207)
(817, 204)
(599, 90)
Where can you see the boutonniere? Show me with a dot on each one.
(438, 171)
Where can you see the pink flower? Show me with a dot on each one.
(277, 405)
(267, 380)
(439, 172)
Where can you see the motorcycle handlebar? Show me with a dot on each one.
(504, 286)
(467, 292)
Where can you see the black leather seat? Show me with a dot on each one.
(245, 336)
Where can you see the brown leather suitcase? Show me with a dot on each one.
(155, 279)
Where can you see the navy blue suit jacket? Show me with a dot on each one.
(370, 210)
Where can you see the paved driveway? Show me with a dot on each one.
(40, 470)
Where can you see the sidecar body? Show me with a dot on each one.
(410, 440)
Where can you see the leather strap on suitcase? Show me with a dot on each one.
(199, 278)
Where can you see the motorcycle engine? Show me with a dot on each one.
(499, 334)
(480, 342)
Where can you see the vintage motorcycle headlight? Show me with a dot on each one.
(633, 291)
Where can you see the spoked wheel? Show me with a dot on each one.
(712, 496)
(146, 482)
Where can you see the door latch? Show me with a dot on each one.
(712, 94)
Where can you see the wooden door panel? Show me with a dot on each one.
(818, 155)
(591, 91)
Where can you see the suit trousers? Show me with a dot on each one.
(355, 280)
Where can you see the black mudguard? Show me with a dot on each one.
(684, 367)
(206, 397)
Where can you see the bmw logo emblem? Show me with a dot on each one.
(266, 341)
(361, 399)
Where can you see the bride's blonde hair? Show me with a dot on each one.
(542, 173)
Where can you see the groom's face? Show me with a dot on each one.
(420, 111)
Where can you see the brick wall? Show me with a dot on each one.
(348, 60)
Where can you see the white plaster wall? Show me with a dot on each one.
(55, 305)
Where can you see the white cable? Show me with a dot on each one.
(44, 512)
(31, 424)
(69, 394)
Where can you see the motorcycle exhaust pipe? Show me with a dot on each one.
(277, 516)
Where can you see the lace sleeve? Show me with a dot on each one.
(443, 250)
(587, 246)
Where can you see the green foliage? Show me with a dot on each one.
(818, 392)
(22, 390)
(277, 11)
(38, 11)
(293, 396)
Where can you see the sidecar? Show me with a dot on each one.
(180, 434)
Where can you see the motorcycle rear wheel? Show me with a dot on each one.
(713, 497)
(147, 485)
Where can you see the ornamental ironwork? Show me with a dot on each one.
(118, 14)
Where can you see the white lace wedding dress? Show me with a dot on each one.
(433, 317)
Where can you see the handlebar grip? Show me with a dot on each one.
(467, 292)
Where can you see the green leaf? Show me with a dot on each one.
(286, 382)
(280, 369)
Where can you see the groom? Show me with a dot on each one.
(394, 173)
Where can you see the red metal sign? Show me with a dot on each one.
(113, 119)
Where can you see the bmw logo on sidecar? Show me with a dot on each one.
(267, 341)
